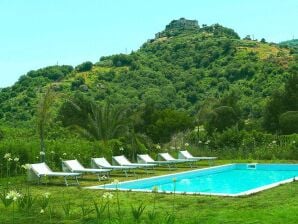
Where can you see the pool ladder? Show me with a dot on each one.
(251, 166)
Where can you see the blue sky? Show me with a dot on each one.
(39, 33)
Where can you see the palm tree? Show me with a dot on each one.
(103, 122)
(43, 117)
(106, 122)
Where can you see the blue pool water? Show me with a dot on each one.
(229, 179)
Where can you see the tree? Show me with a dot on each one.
(247, 37)
(222, 118)
(280, 102)
(98, 122)
(288, 122)
(272, 111)
(43, 117)
(106, 122)
(121, 60)
(85, 66)
(165, 123)
(206, 110)
(217, 115)
(74, 110)
(291, 93)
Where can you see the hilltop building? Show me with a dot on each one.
(178, 25)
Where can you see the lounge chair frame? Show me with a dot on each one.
(146, 158)
(184, 154)
(77, 167)
(167, 157)
(103, 163)
(123, 161)
(38, 171)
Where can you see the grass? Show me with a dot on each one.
(264, 51)
(68, 204)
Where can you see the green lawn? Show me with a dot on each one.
(66, 204)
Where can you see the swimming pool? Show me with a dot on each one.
(225, 180)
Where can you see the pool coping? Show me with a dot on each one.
(244, 193)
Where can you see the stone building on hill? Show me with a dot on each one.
(178, 25)
(183, 23)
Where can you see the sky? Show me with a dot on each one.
(39, 33)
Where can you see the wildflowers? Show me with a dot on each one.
(108, 195)
(47, 194)
(186, 144)
(7, 156)
(26, 166)
(196, 129)
(121, 149)
(116, 182)
(13, 195)
(201, 128)
(41, 153)
(45, 201)
(247, 122)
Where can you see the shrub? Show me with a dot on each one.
(121, 60)
(84, 67)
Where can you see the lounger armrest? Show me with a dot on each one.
(60, 174)
(205, 157)
(146, 164)
(92, 170)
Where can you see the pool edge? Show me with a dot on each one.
(244, 193)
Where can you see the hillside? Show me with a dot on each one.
(293, 42)
(180, 68)
(292, 45)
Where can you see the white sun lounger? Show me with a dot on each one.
(76, 167)
(123, 161)
(103, 163)
(167, 157)
(186, 155)
(145, 158)
(39, 170)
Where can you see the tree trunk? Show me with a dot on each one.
(42, 146)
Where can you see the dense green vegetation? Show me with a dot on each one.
(199, 88)
(239, 92)
(291, 44)
(177, 72)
